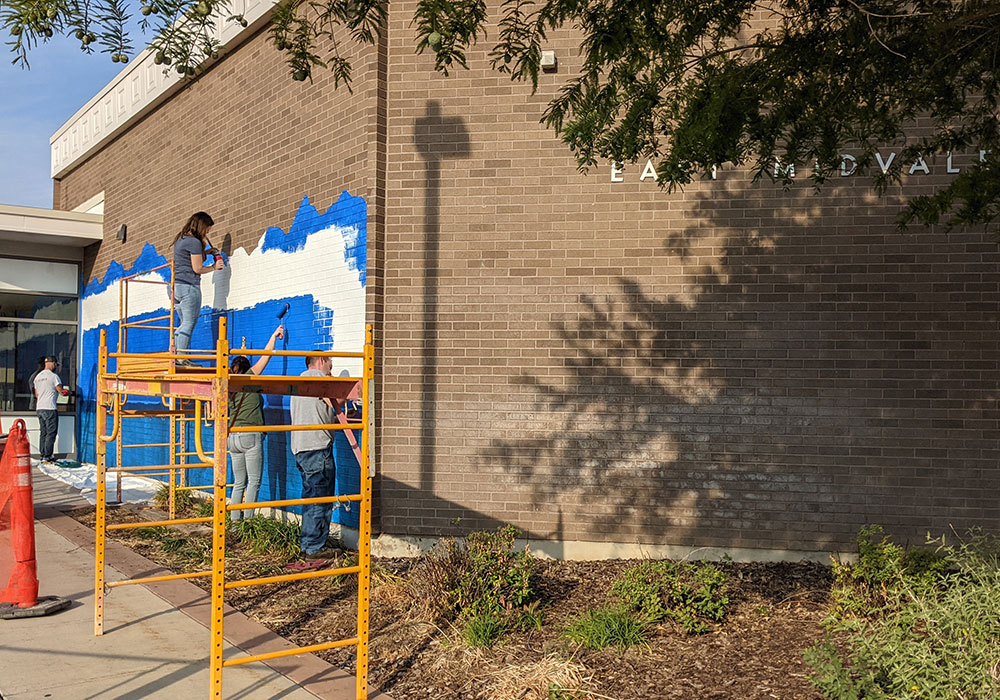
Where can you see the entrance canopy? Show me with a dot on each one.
(46, 233)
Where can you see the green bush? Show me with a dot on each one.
(689, 594)
(499, 580)
(916, 623)
(608, 626)
(872, 585)
(485, 585)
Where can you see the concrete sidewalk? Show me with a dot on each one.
(156, 640)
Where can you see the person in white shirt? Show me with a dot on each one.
(47, 386)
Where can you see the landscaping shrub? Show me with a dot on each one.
(609, 626)
(499, 580)
(691, 594)
(871, 587)
(913, 623)
(485, 585)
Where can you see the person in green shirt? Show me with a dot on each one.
(246, 408)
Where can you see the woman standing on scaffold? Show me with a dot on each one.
(189, 262)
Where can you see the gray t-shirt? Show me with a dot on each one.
(47, 384)
(308, 410)
(184, 248)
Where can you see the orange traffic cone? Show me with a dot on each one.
(17, 516)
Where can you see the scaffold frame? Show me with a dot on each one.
(192, 398)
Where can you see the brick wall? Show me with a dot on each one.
(244, 143)
(728, 365)
(731, 365)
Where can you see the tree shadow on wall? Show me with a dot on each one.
(778, 381)
(633, 449)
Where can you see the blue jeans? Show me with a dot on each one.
(187, 301)
(48, 424)
(318, 480)
(246, 450)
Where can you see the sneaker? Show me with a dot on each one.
(184, 362)
(321, 554)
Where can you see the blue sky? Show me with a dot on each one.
(35, 103)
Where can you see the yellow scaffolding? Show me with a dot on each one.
(199, 395)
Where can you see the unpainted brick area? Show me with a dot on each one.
(728, 365)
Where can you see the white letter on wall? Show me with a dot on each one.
(844, 171)
(616, 173)
(982, 156)
(950, 169)
(783, 170)
(885, 165)
(649, 171)
(920, 164)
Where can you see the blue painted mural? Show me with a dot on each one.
(317, 268)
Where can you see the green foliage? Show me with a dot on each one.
(499, 579)
(486, 581)
(483, 629)
(263, 535)
(608, 626)
(152, 533)
(916, 623)
(188, 553)
(529, 617)
(690, 594)
(203, 508)
(883, 569)
(692, 85)
(448, 28)
(556, 692)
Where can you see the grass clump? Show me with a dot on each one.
(609, 626)
(691, 594)
(153, 534)
(483, 584)
(203, 508)
(913, 623)
(188, 553)
(184, 502)
(482, 629)
(267, 536)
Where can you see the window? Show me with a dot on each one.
(31, 327)
(37, 307)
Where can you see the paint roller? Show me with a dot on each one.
(281, 315)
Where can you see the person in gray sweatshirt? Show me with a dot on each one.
(313, 450)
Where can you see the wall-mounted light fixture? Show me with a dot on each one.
(122, 233)
(548, 62)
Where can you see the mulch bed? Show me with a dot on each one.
(775, 613)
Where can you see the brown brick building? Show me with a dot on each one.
(612, 368)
